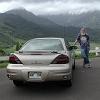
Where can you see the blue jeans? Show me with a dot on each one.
(85, 55)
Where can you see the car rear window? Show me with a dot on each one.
(43, 44)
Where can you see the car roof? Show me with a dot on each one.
(50, 38)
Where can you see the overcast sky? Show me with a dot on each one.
(41, 7)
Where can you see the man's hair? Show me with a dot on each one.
(83, 29)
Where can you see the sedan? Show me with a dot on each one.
(41, 60)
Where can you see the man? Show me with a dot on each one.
(83, 39)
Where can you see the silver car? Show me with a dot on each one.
(40, 60)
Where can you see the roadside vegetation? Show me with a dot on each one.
(91, 55)
(3, 64)
(5, 51)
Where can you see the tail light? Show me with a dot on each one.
(14, 60)
(61, 59)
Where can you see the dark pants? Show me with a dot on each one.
(85, 55)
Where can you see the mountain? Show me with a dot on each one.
(31, 17)
(15, 27)
(49, 27)
(89, 19)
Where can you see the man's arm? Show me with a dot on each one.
(77, 39)
(75, 42)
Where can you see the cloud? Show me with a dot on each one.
(5, 0)
(28, 1)
(51, 6)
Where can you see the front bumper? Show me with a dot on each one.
(48, 73)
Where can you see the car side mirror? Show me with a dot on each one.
(72, 48)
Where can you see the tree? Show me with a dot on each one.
(18, 45)
(2, 52)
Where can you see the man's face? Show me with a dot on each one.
(83, 32)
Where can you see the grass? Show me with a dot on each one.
(91, 55)
(92, 45)
(3, 64)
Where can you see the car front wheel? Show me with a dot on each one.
(73, 66)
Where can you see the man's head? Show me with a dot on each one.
(83, 31)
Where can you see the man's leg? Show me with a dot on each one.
(83, 56)
(87, 62)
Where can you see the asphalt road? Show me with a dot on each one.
(86, 86)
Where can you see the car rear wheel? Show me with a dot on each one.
(18, 83)
(73, 66)
(69, 83)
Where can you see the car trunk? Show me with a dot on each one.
(36, 59)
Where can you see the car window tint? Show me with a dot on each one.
(43, 44)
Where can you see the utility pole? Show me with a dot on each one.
(64, 31)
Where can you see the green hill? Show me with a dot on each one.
(15, 26)
(31, 17)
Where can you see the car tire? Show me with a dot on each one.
(69, 83)
(73, 66)
(18, 83)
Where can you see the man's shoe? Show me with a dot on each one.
(88, 66)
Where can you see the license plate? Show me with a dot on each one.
(34, 75)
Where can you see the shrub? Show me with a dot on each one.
(2, 52)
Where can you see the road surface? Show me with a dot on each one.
(86, 86)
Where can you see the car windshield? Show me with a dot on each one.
(43, 45)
